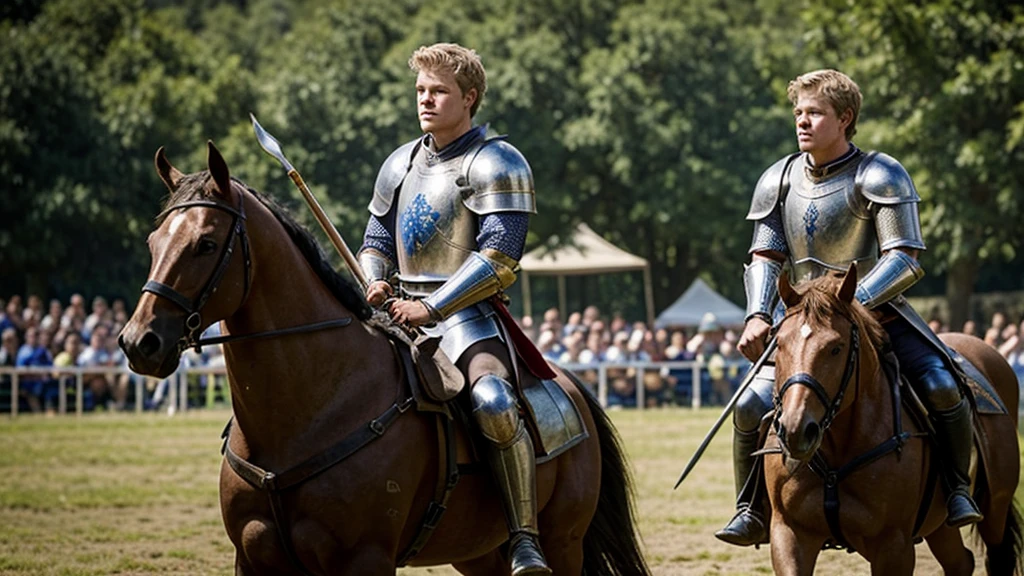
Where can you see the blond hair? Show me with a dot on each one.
(463, 63)
(840, 91)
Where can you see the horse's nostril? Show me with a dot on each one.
(149, 344)
(811, 432)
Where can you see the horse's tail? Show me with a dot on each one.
(611, 545)
(1006, 558)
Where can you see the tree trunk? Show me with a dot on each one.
(959, 288)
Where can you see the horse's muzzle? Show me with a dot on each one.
(147, 352)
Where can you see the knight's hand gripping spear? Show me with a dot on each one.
(271, 146)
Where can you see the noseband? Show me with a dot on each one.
(192, 308)
(805, 379)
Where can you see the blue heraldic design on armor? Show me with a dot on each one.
(419, 223)
(811, 220)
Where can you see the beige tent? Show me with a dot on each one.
(585, 253)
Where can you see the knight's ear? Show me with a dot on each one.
(848, 288)
(218, 168)
(786, 292)
(169, 174)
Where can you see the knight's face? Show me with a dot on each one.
(818, 127)
(443, 109)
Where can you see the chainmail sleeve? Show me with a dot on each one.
(769, 234)
(378, 237)
(504, 232)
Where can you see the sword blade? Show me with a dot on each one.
(725, 412)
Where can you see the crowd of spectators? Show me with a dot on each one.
(587, 339)
(62, 336)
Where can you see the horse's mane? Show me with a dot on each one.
(193, 186)
(819, 302)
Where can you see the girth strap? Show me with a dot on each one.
(264, 480)
(275, 484)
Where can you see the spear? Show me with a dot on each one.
(271, 146)
(728, 410)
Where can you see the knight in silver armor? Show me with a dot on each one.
(447, 228)
(820, 210)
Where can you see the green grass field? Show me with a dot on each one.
(137, 494)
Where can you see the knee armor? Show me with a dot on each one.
(495, 409)
(755, 402)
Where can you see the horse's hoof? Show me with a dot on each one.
(745, 529)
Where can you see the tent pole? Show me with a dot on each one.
(561, 298)
(527, 302)
(649, 296)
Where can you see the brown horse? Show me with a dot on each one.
(869, 482)
(223, 252)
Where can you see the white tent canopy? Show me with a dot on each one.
(698, 300)
(585, 253)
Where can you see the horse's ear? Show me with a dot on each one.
(169, 174)
(848, 288)
(786, 292)
(218, 168)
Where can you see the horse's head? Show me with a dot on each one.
(817, 359)
(200, 270)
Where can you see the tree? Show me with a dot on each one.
(943, 89)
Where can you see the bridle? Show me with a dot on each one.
(804, 379)
(193, 308)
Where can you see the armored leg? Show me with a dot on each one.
(950, 414)
(512, 461)
(955, 434)
(748, 526)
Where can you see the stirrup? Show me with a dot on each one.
(746, 528)
(526, 557)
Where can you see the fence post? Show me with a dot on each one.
(14, 394)
(139, 390)
(79, 393)
(62, 390)
(640, 392)
(602, 386)
(695, 396)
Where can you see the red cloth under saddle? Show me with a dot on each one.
(528, 353)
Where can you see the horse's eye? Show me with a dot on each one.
(206, 246)
(836, 350)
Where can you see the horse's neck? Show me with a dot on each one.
(285, 388)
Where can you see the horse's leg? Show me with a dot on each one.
(892, 553)
(792, 554)
(492, 563)
(948, 548)
(564, 554)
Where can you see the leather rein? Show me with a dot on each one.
(833, 476)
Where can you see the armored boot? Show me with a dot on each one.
(955, 435)
(513, 463)
(748, 526)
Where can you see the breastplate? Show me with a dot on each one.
(827, 224)
(434, 231)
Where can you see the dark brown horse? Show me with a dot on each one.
(842, 441)
(222, 252)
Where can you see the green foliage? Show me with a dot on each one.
(650, 120)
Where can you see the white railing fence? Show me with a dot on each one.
(621, 384)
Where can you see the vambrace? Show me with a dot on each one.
(892, 275)
(760, 281)
(482, 275)
(376, 266)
